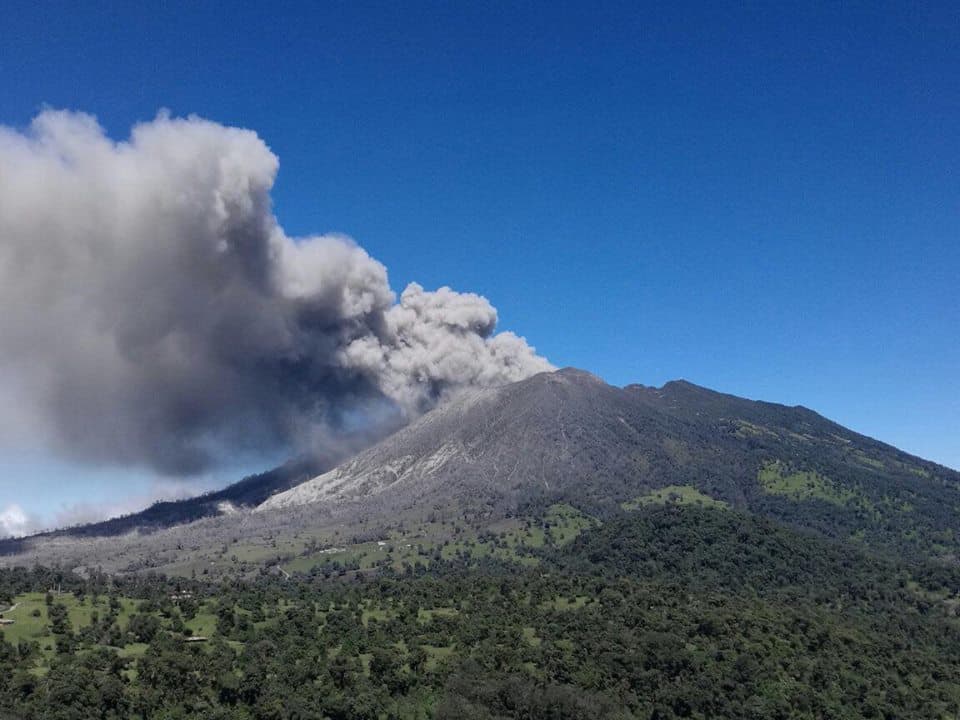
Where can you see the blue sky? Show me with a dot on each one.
(760, 198)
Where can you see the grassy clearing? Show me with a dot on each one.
(565, 522)
(510, 540)
(563, 603)
(426, 616)
(31, 621)
(437, 655)
(674, 495)
(242, 556)
(26, 626)
(133, 650)
(366, 555)
(747, 430)
(775, 478)
(204, 623)
(375, 614)
(864, 459)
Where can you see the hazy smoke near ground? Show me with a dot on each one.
(14, 522)
(17, 522)
(154, 312)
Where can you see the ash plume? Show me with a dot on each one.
(155, 313)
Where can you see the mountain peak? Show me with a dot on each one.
(681, 384)
(577, 374)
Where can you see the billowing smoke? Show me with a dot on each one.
(154, 312)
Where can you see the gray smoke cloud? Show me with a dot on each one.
(155, 313)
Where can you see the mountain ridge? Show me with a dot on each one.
(568, 437)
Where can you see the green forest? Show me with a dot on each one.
(670, 611)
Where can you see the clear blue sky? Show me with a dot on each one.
(760, 198)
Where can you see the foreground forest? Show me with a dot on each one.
(666, 612)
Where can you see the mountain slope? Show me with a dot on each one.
(569, 437)
(520, 449)
(553, 433)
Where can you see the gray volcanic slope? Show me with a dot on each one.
(569, 437)
(552, 433)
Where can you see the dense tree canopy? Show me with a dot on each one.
(672, 612)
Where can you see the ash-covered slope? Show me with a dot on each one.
(568, 436)
(554, 433)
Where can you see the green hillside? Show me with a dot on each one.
(669, 610)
